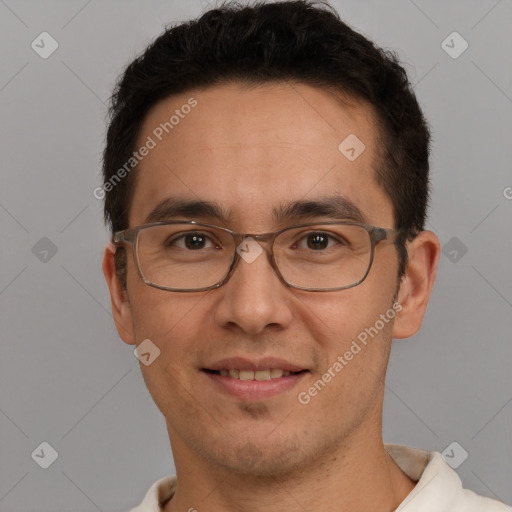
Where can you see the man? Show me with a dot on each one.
(266, 184)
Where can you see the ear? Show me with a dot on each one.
(121, 309)
(416, 285)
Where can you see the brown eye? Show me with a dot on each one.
(192, 240)
(317, 241)
(195, 241)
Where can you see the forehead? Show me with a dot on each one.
(252, 149)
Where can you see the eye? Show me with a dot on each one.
(317, 241)
(192, 240)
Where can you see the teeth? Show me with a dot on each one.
(246, 375)
(273, 373)
(262, 375)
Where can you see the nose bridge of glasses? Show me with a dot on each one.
(249, 247)
(263, 240)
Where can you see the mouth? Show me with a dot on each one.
(259, 375)
(250, 380)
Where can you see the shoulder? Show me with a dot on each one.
(158, 494)
(438, 486)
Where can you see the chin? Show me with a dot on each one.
(261, 460)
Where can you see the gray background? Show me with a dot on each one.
(66, 377)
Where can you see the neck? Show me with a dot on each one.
(358, 477)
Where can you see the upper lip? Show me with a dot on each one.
(242, 363)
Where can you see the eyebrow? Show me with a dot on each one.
(334, 208)
(177, 207)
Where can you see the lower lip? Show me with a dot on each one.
(254, 389)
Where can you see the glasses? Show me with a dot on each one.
(187, 256)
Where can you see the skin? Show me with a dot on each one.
(250, 150)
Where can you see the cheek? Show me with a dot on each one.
(175, 323)
(352, 332)
(334, 319)
(158, 312)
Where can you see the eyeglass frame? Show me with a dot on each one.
(130, 235)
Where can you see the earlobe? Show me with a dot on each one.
(417, 283)
(121, 309)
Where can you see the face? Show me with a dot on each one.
(253, 151)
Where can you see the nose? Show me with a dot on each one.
(254, 298)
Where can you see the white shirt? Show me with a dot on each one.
(438, 487)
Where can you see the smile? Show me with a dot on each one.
(254, 384)
(273, 373)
